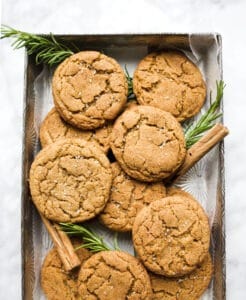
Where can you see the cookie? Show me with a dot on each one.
(54, 128)
(56, 282)
(111, 275)
(171, 235)
(148, 143)
(89, 88)
(70, 180)
(170, 81)
(127, 198)
(188, 287)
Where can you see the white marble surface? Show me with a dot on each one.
(104, 16)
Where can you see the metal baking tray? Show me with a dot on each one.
(205, 180)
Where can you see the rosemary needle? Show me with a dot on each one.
(130, 84)
(116, 246)
(47, 49)
(194, 131)
(91, 240)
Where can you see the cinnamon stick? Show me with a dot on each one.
(202, 147)
(63, 245)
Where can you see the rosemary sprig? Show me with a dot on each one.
(91, 240)
(194, 131)
(47, 49)
(130, 84)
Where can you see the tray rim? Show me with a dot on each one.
(24, 181)
(129, 34)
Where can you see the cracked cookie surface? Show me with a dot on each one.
(70, 180)
(148, 143)
(89, 88)
(111, 275)
(56, 282)
(170, 81)
(172, 235)
(54, 127)
(187, 287)
(127, 197)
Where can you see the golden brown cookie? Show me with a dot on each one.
(171, 235)
(148, 143)
(128, 196)
(56, 282)
(89, 88)
(54, 128)
(111, 275)
(70, 180)
(170, 81)
(188, 287)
